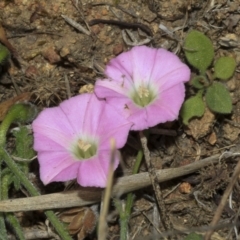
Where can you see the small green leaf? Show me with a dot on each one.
(193, 236)
(224, 67)
(218, 99)
(4, 54)
(24, 143)
(192, 107)
(199, 82)
(199, 50)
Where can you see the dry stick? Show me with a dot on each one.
(102, 228)
(223, 201)
(87, 196)
(156, 186)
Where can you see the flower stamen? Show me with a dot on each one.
(83, 145)
(143, 95)
(84, 149)
(143, 92)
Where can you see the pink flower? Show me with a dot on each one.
(73, 140)
(146, 85)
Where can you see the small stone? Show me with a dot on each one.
(31, 71)
(108, 41)
(104, 12)
(51, 56)
(212, 138)
(96, 29)
(231, 84)
(148, 15)
(117, 49)
(229, 40)
(230, 132)
(64, 52)
(185, 188)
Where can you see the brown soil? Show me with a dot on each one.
(52, 60)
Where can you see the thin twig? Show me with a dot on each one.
(145, 215)
(86, 196)
(67, 86)
(76, 25)
(156, 186)
(102, 228)
(223, 201)
(116, 6)
(133, 41)
(134, 25)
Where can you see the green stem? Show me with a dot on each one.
(20, 112)
(3, 229)
(126, 213)
(14, 223)
(33, 191)
(11, 219)
(3, 131)
(138, 162)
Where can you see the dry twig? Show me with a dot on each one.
(223, 201)
(86, 196)
(156, 187)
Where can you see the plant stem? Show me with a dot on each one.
(12, 220)
(33, 191)
(125, 213)
(20, 112)
(3, 230)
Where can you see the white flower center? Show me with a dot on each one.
(83, 145)
(83, 148)
(143, 92)
(143, 95)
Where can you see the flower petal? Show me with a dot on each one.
(83, 112)
(167, 107)
(51, 122)
(112, 126)
(105, 88)
(145, 65)
(53, 163)
(43, 143)
(94, 172)
(153, 69)
(168, 69)
(120, 69)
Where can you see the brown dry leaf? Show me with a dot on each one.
(4, 106)
(82, 221)
(201, 127)
(4, 40)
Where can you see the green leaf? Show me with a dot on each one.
(193, 236)
(218, 99)
(24, 143)
(198, 50)
(199, 82)
(4, 54)
(192, 107)
(224, 67)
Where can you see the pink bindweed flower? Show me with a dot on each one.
(73, 140)
(146, 85)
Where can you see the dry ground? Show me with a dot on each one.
(52, 60)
